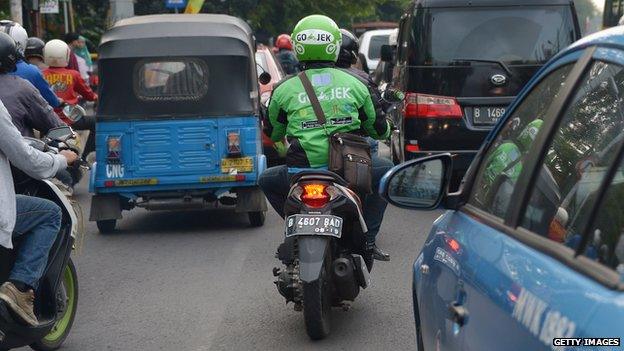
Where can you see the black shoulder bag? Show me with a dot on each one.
(349, 154)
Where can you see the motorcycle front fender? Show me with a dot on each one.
(312, 251)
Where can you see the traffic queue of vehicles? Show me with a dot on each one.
(527, 250)
(531, 248)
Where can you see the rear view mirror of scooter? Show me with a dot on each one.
(74, 112)
(60, 134)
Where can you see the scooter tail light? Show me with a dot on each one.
(315, 195)
(431, 106)
(233, 140)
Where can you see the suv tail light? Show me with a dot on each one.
(431, 106)
(315, 195)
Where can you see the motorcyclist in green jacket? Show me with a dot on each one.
(505, 165)
(348, 107)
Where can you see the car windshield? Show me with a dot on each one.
(514, 35)
(374, 50)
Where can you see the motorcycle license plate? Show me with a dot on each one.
(302, 224)
(240, 164)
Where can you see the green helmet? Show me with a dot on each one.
(526, 137)
(317, 38)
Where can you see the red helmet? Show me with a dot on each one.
(283, 42)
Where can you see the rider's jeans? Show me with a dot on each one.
(275, 184)
(37, 225)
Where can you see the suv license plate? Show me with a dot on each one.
(487, 114)
(303, 224)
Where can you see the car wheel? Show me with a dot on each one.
(257, 218)
(106, 226)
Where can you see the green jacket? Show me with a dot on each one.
(346, 102)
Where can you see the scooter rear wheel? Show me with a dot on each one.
(63, 325)
(317, 305)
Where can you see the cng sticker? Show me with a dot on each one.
(115, 171)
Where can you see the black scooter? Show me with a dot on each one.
(56, 299)
(324, 252)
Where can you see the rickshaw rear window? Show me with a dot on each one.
(184, 79)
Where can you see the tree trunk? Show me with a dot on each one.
(16, 11)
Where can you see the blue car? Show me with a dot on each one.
(530, 252)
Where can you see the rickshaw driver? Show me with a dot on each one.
(291, 114)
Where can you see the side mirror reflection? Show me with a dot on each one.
(418, 185)
(74, 112)
(60, 133)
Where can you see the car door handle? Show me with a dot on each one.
(458, 313)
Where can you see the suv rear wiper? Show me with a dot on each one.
(499, 62)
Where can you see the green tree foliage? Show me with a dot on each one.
(268, 17)
(586, 9)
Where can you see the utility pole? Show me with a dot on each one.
(121, 9)
(16, 11)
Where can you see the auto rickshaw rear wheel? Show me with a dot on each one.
(257, 218)
(106, 226)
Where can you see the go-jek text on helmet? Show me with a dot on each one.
(8, 53)
(56, 53)
(316, 38)
(34, 47)
(283, 42)
(17, 32)
(348, 50)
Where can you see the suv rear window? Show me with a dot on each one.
(514, 35)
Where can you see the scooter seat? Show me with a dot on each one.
(318, 174)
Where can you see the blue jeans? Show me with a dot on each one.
(275, 184)
(37, 225)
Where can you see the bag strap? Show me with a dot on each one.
(316, 105)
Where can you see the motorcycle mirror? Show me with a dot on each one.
(393, 95)
(264, 78)
(74, 112)
(60, 133)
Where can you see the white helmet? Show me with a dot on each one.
(17, 32)
(56, 53)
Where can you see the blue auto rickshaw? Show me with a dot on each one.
(178, 124)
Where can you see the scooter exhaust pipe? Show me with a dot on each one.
(344, 277)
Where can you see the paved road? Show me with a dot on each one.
(194, 281)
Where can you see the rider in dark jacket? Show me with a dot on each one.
(346, 60)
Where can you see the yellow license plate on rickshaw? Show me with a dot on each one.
(239, 164)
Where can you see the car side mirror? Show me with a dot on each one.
(387, 53)
(419, 184)
(264, 78)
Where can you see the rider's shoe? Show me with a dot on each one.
(20, 302)
(378, 254)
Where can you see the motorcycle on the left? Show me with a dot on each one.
(56, 299)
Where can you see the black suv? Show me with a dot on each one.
(461, 62)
